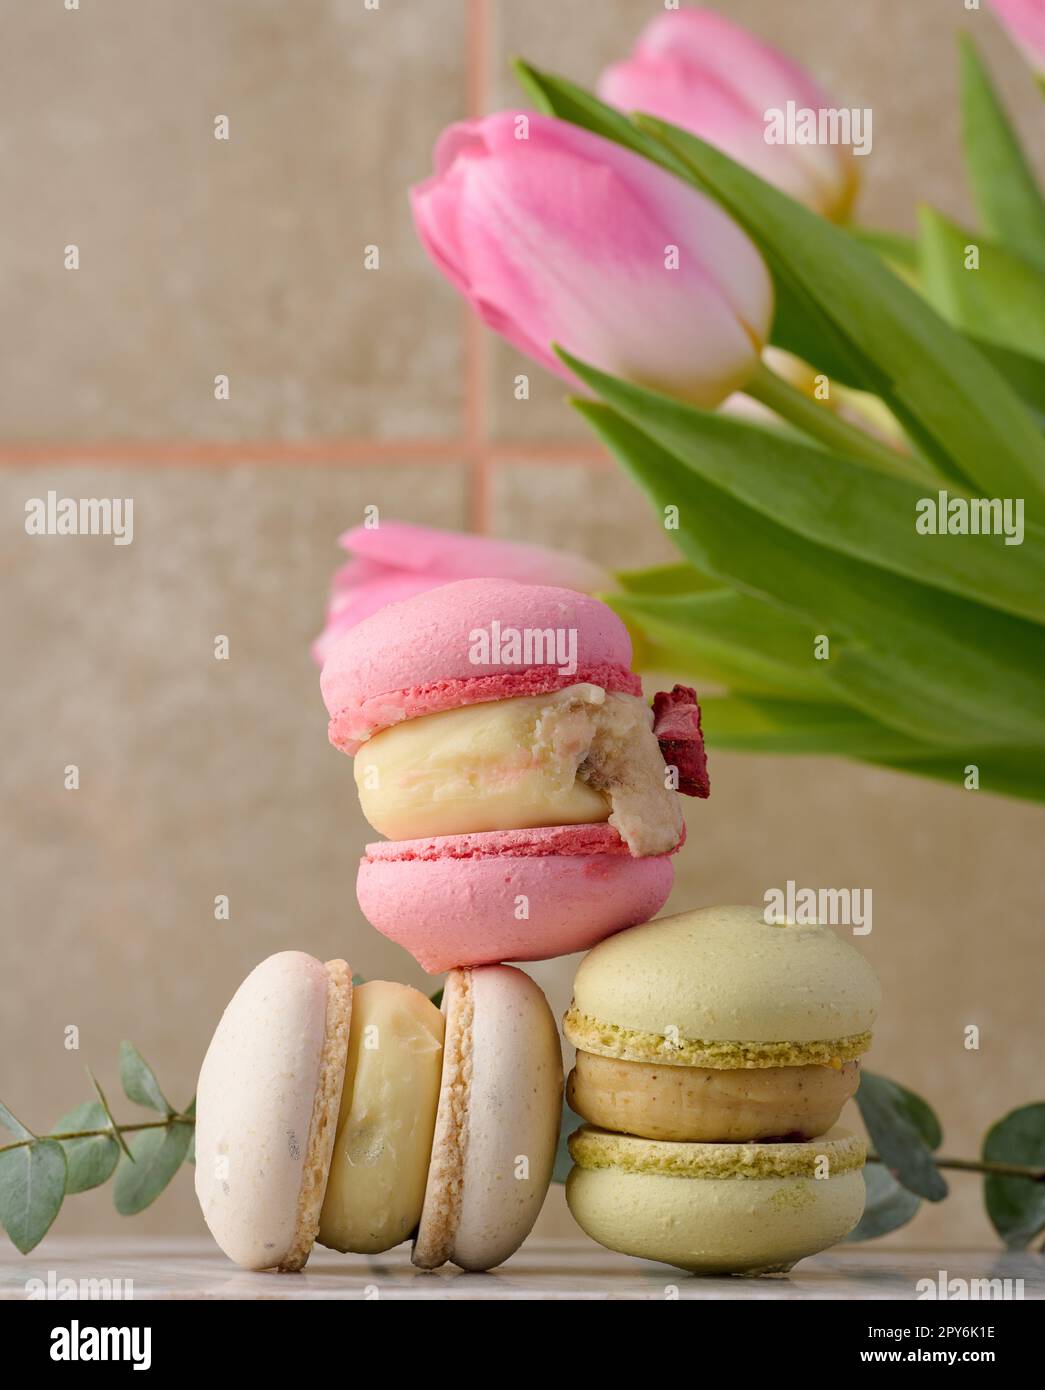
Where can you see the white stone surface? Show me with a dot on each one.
(564, 1269)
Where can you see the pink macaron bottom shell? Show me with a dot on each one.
(352, 725)
(463, 900)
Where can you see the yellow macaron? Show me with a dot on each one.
(716, 1026)
(716, 1208)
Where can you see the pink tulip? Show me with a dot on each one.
(555, 235)
(394, 560)
(702, 72)
(1025, 21)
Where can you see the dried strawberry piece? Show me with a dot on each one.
(676, 727)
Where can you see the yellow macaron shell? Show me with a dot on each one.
(383, 1142)
(719, 987)
(716, 1208)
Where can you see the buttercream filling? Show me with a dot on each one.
(578, 756)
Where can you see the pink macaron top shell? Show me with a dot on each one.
(419, 656)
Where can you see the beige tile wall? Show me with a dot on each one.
(354, 387)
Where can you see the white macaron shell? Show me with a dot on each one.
(254, 1106)
(514, 1108)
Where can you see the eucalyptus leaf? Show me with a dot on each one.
(437, 998)
(1016, 1206)
(832, 500)
(921, 661)
(358, 980)
(1001, 300)
(904, 1131)
(563, 1162)
(158, 1154)
(103, 1101)
(949, 397)
(888, 1207)
(190, 1155)
(32, 1185)
(12, 1123)
(139, 1081)
(1003, 187)
(90, 1162)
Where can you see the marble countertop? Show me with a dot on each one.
(542, 1269)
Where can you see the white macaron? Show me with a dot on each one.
(361, 1117)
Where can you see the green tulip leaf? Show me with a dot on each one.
(32, 1185)
(832, 500)
(139, 1081)
(89, 1162)
(898, 251)
(1004, 191)
(889, 1206)
(665, 579)
(1016, 1206)
(921, 661)
(158, 1154)
(1018, 772)
(725, 636)
(904, 1131)
(946, 394)
(753, 724)
(1001, 300)
(1025, 374)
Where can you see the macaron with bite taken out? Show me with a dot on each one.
(502, 745)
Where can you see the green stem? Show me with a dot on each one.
(823, 423)
(99, 1133)
(975, 1165)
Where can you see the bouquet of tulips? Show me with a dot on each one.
(862, 559)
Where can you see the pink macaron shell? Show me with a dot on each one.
(454, 901)
(416, 657)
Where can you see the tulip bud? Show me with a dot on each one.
(1025, 21)
(556, 235)
(395, 560)
(707, 75)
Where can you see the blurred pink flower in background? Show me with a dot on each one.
(557, 235)
(1025, 21)
(702, 72)
(395, 559)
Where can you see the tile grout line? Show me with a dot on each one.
(203, 453)
(475, 448)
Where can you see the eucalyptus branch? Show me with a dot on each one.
(977, 1165)
(106, 1133)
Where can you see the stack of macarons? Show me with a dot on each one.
(528, 793)
(715, 1052)
(363, 1115)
